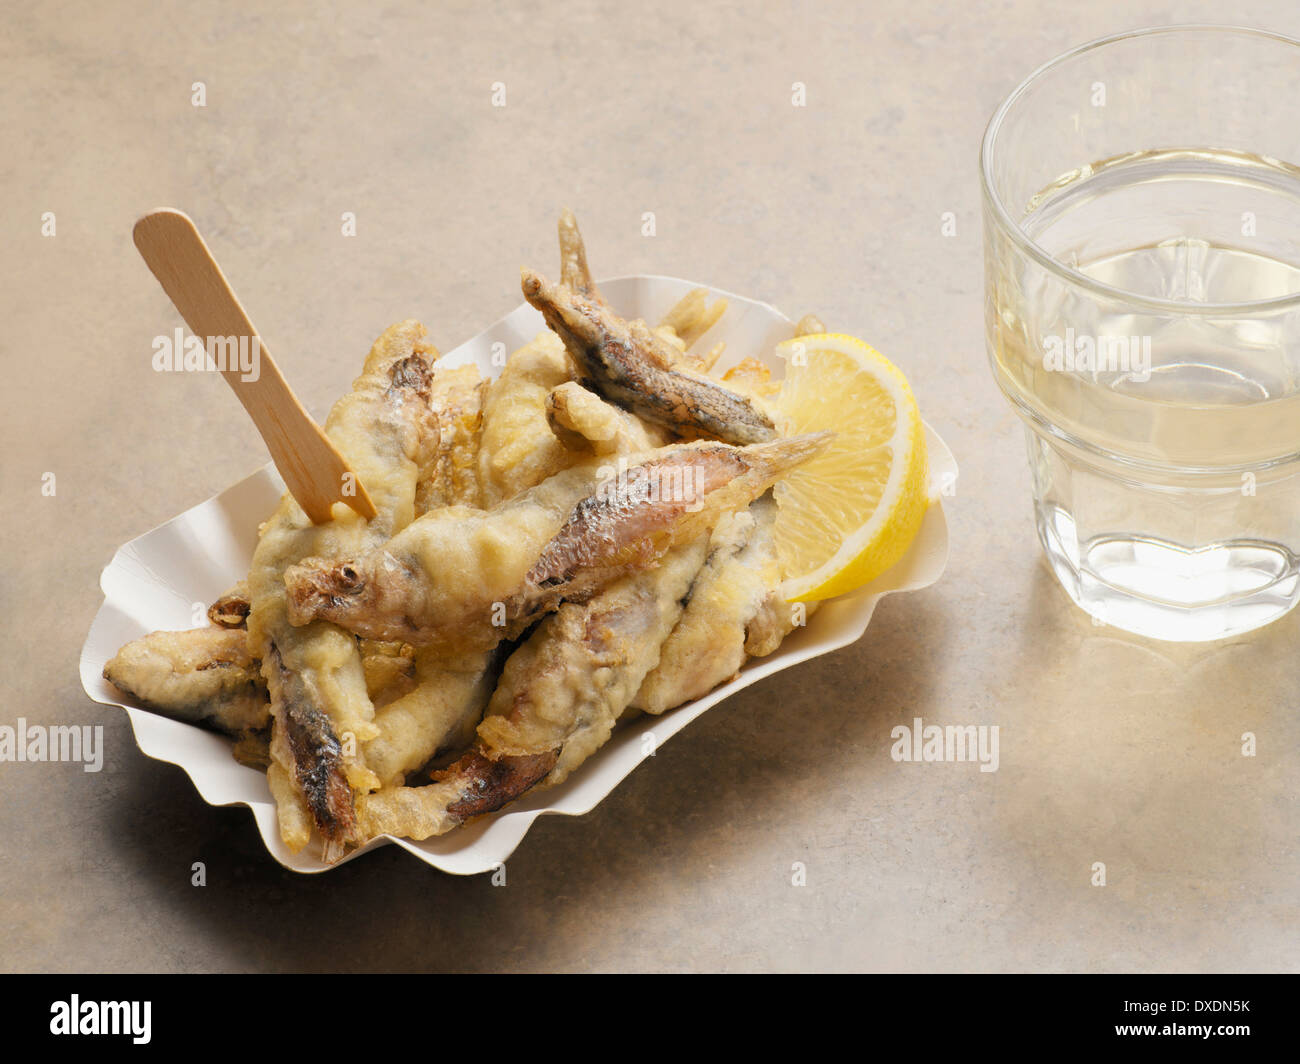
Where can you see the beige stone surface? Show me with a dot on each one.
(1113, 749)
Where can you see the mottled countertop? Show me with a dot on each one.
(1113, 749)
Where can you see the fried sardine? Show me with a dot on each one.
(472, 577)
(629, 364)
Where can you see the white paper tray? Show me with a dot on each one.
(154, 581)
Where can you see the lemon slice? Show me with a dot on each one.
(849, 514)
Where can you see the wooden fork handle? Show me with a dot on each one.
(311, 466)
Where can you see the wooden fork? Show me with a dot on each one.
(312, 468)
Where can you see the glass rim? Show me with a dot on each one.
(1076, 277)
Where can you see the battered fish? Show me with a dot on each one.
(585, 424)
(518, 448)
(630, 365)
(206, 676)
(456, 402)
(558, 700)
(472, 577)
(314, 674)
(733, 613)
(441, 712)
(444, 698)
(450, 690)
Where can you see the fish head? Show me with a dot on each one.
(330, 591)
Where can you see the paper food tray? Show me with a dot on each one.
(154, 580)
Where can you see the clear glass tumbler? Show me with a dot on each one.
(1142, 283)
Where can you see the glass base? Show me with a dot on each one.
(1163, 590)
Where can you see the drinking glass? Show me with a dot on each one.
(1142, 315)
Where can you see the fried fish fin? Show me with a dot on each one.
(573, 258)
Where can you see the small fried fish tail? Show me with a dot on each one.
(573, 258)
(778, 457)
